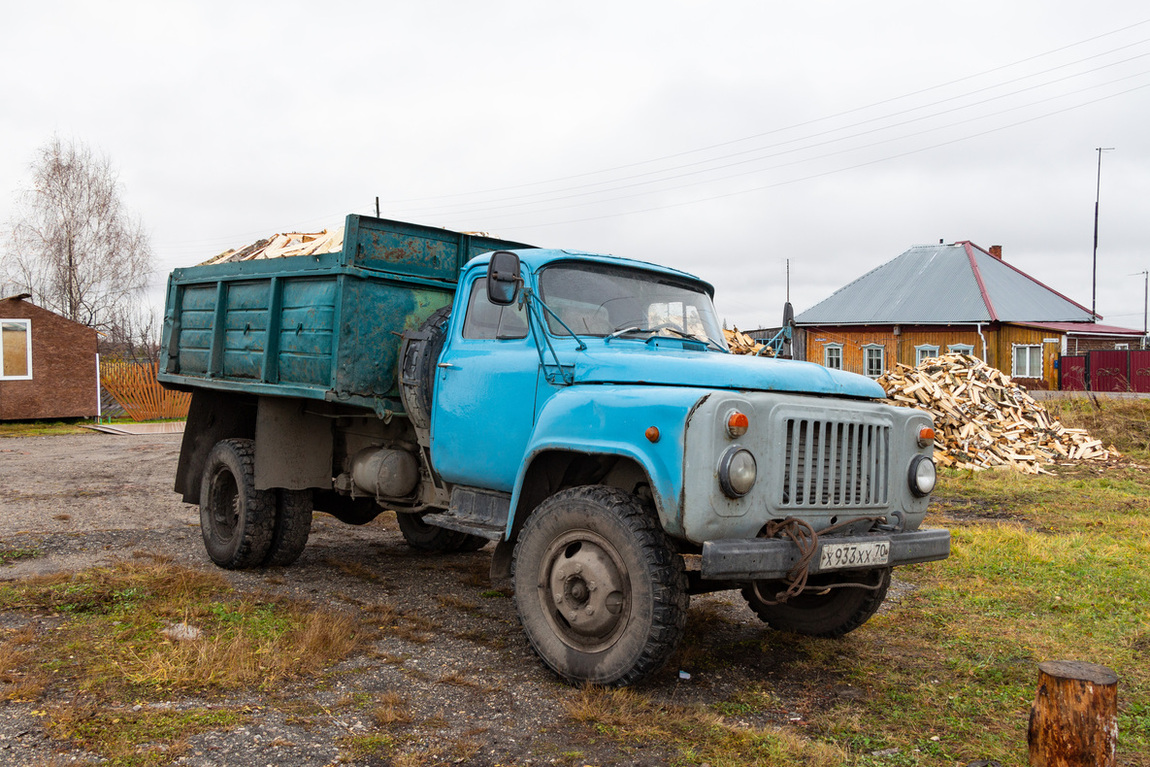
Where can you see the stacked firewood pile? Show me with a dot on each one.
(741, 343)
(982, 419)
(283, 245)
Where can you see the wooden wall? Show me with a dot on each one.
(1000, 342)
(63, 383)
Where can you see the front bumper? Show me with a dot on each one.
(773, 558)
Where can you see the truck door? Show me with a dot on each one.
(484, 401)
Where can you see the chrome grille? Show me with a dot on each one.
(835, 465)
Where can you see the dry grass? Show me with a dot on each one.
(126, 737)
(114, 621)
(694, 734)
(391, 708)
(1124, 423)
(354, 569)
(450, 600)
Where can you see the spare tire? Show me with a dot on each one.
(418, 358)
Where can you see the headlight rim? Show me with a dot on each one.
(725, 462)
(912, 476)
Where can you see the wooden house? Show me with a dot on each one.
(48, 365)
(937, 299)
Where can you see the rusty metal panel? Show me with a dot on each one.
(422, 251)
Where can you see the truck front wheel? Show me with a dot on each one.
(822, 612)
(599, 592)
(236, 520)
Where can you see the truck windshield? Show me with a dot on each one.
(603, 300)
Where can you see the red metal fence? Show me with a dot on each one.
(1106, 371)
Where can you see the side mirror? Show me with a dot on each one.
(503, 278)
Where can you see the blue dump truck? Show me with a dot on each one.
(580, 411)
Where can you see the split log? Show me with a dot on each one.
(1074, 720)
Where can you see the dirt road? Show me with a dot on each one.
(475, 692)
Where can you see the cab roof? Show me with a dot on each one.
(537, 258)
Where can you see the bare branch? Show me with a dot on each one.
(74, 247)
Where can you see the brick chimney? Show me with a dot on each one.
(996, 251)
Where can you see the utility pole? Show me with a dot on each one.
(1145, 303)
(1094, 268)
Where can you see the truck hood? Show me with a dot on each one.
(625, 362)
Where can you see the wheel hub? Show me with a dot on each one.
(588, 590)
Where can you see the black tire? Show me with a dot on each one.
(600, 593)
(425, 537)
(822, 613)
(236, 519)
(292, 527)
(418, 364)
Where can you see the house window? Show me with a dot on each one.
(833, 356)
(961, 349)
(874, 360)
(1027, 361)
(1121, 347)
(923, 352)
(16, 348)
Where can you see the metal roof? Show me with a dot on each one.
(944, 284)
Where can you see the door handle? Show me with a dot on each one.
(445, 365)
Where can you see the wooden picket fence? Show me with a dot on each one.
(135, 388)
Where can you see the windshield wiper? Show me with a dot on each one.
(664, 326)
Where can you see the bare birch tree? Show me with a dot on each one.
(73, 246)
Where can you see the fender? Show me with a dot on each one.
(613, 420)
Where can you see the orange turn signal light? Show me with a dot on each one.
(652, 433)
(925, 436)
(737, 423)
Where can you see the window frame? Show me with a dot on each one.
(827, 349)
(866, 350)
(27, 323)
(960, 349)
(478, 297)
(918, 352)
(1014, 373)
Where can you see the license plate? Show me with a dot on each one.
(837, 556)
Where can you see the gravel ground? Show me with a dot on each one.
(476, 693)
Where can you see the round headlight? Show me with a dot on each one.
(922, 475)
(737, 471)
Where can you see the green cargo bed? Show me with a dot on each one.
(323, 327)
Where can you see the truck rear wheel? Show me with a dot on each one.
(420, 535)
(822, 613)
(292, 527)
(599, 592)
(236, 520)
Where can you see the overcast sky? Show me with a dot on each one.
(721, 138)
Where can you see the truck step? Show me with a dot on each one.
(470, 525)
(476, 511)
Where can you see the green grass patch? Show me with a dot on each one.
(1041, 568)
(8, 556)
(42, 428)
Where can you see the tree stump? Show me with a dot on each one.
(1074, 719)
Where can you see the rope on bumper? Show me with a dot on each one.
(806, 539)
